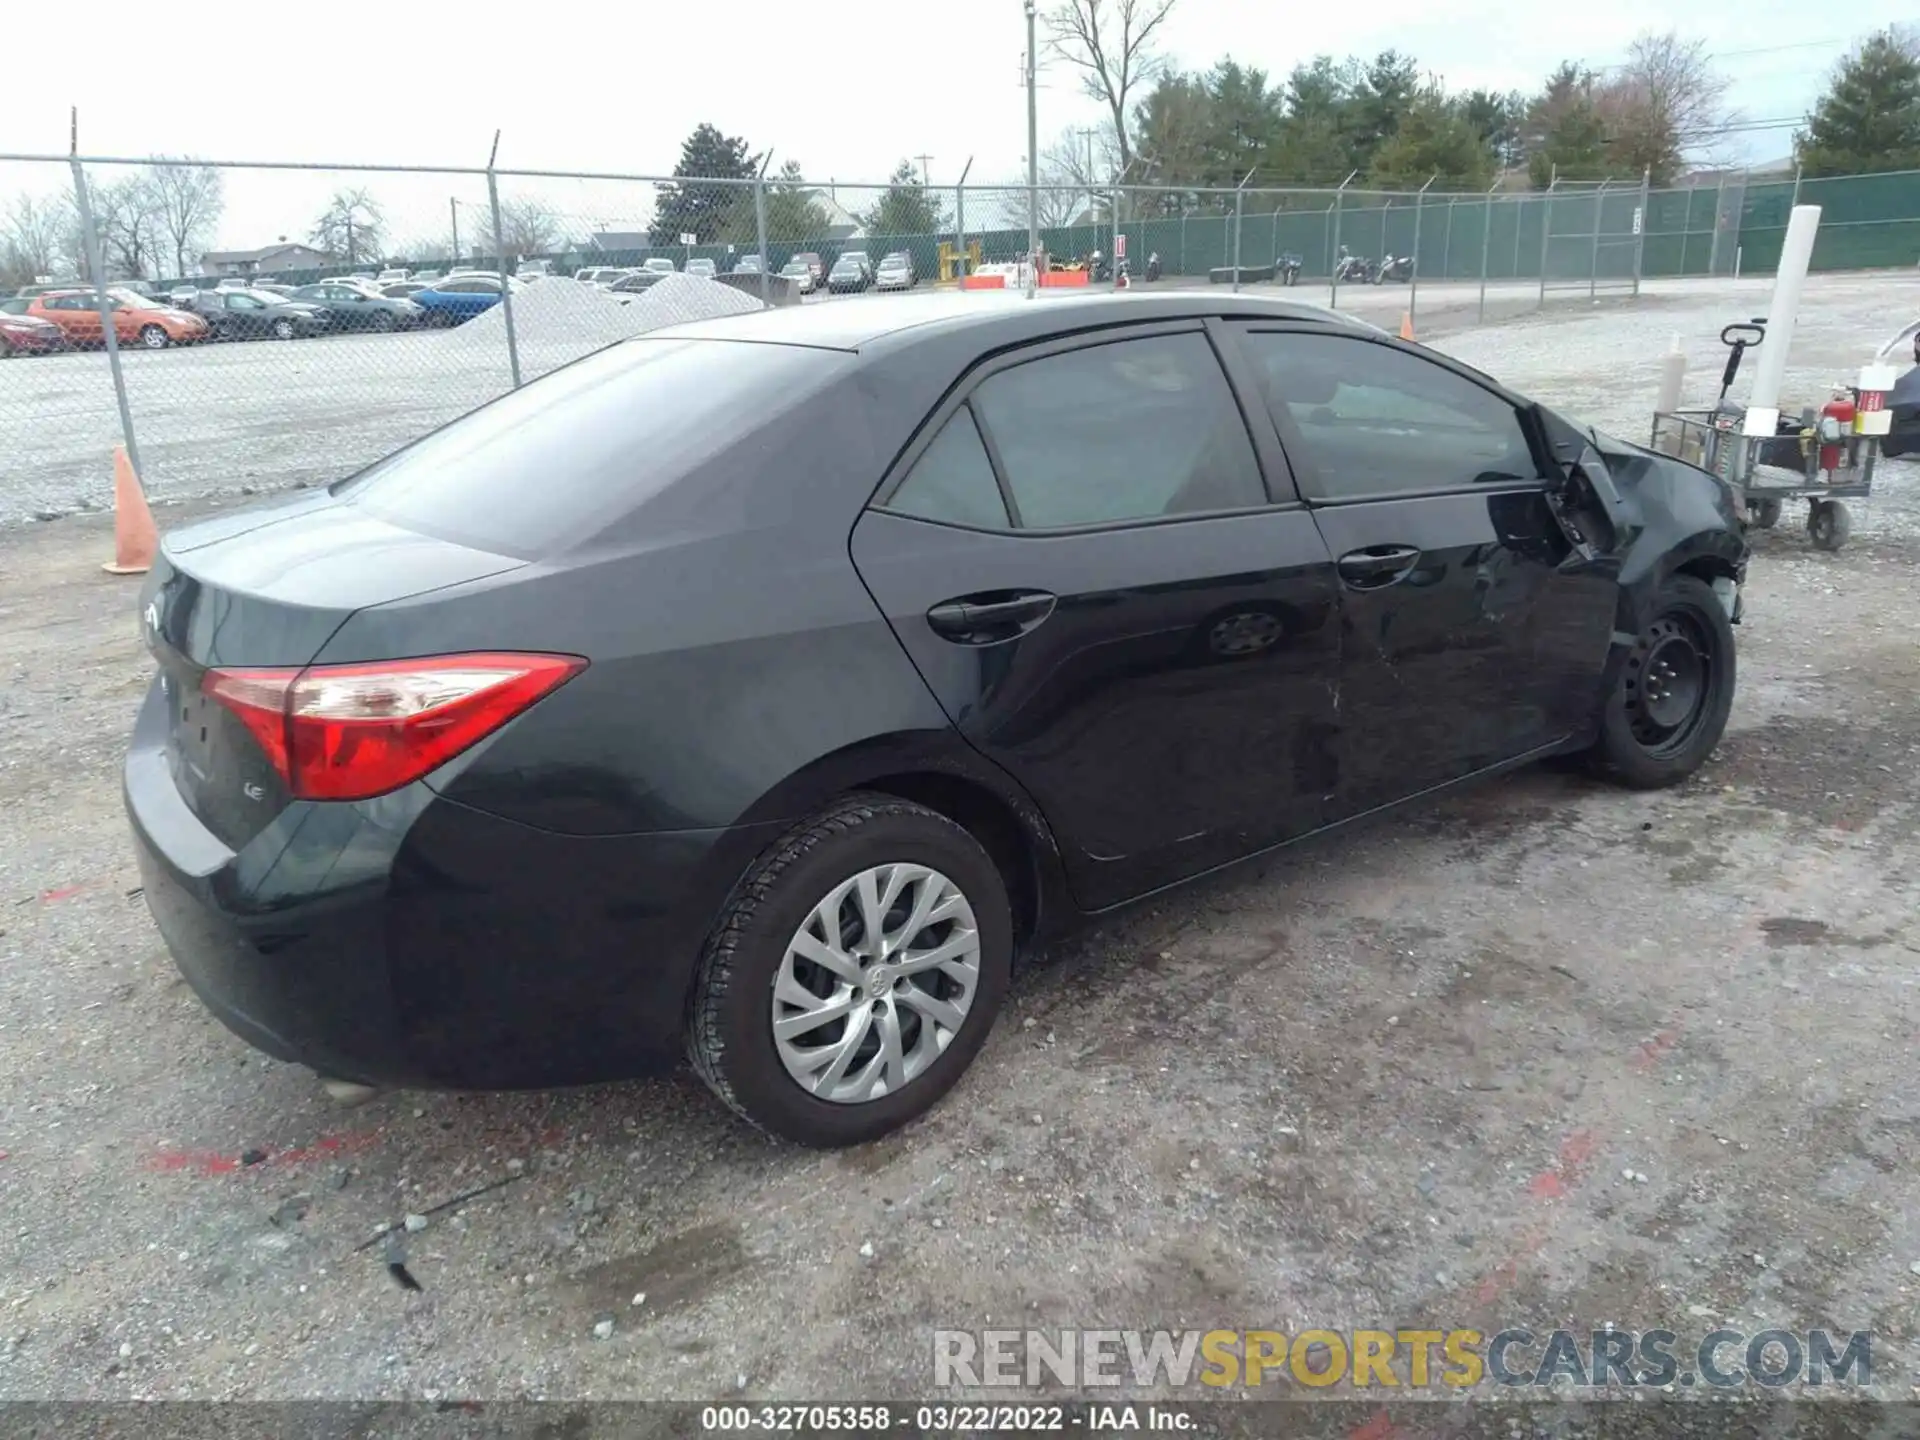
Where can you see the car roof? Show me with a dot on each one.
(1003, 318)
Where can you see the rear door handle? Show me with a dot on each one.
(990, 618)
(1377, 565)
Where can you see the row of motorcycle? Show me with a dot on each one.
(1354, 269)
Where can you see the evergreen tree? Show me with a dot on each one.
(1434, 136)
(685, 206)
(1869, 119)
(907, 208)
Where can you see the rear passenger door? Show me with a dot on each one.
(1475, 632)
(1113, 590)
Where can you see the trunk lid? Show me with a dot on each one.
(265, 590)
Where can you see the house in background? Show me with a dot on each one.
(268, 260)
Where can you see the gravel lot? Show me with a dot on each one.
(1399, 1074)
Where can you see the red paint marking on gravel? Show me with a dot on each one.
(65, 892)
(1547, 1186)
(1380, 1427)
(170, 1160)
(1650, 1052)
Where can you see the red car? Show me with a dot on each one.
(23, 334)
(136, 319)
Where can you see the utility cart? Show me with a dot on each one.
(1825, 457)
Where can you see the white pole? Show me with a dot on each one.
(1673, 375)
(1738, 251)
(1796, 251)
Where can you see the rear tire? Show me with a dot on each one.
(1669, 707)
(1829, 523)
(153, 337)
(383, 320)
(283, 329)
(776, 910)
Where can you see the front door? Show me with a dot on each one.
(1084, 562)
(1475, 632)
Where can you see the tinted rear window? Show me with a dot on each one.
(557, 460)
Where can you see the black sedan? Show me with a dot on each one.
(505, 763)
(257, 315)
(352, 305)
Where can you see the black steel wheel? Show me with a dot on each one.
(1766, 513)
(1669, 706)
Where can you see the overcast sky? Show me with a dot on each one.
(618, 91)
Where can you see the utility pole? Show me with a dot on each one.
(1086, 133)
(1033, 159)
(926, 175)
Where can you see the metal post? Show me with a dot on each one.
(1546, 234)
(760, 235)
(760, 228)
(1413, 275)
(1333, 255)
(1719, 216)
(1183, 237)
(1446, 245)
(500, 264)
(91, 237)
(1486, 239)
(1033, 164)
(1593, 259)
(960, 215)
(1796, 184)
(453, 209)
(1640, 230)
(1237, 194)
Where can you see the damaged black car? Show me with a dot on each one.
(758, 689)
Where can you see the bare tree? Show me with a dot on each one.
(529, 227)
(1072, 181)
(36, 233)
(351, 227)
(1111, 44)
(127, 215)
(187, 201)
(1666, 102)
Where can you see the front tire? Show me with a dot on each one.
(820, 1011)
(283, 330)
(1669, 707)
(153, 337)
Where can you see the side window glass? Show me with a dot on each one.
(1380, 421)
(1131, 430)
(953, 479)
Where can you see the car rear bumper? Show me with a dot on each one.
(412, 941)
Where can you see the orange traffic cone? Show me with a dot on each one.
(135, 541)
(1406, 325)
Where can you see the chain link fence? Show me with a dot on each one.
(380, 303)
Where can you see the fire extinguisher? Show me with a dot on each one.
(1836, 421)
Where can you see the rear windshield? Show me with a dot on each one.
(555, 461)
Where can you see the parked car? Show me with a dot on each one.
(136, 319)
(895, 272)
(601, 274)
(528, 271)
(393, 275)
(181, 297)
(635, 282)
(24, 334)
(272, 287)
(260, 315)
(800, 274)
(659, 264)
(409, 812)
(749, 265)
(350, 306)
(815, 266)
(423, 277)
(852, 272)
(458, 298)
(405, 289)
(700, 265)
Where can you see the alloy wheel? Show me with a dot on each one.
(876, 983)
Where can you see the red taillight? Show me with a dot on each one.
(349, 732)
